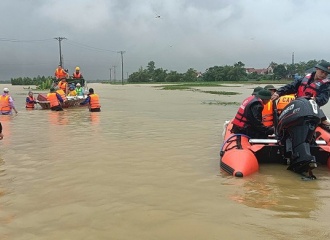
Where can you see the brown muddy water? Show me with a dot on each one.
(146, 167)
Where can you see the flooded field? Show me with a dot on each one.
(146, 167)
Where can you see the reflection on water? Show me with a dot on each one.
(146, 167)
(286, 194)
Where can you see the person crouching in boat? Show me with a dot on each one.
(30, 101)
(55, 100)
(248, 119)
(6, 103)
(93, 100)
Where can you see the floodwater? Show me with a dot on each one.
(146, 167)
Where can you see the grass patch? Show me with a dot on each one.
(189, 88)
(214, 102)
(220, 92)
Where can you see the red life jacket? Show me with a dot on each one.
(240, 119)
(312, 89)
(30, 104)
(76, 75)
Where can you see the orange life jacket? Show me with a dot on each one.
(4, 104)
(283, 101)
(62, 85)
(267, 114)
(310, 90)
(240, 119)
(94, 101)
(52, 98)
(76, 75)
(62, 94)
(30, 104)
(60, 73)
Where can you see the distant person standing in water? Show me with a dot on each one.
(6, 103)
(30, 101)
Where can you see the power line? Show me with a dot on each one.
(24, 41)
(73, 43)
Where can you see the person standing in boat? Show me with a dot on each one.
(55, 100)
(77, 74)
(6, 103)
(315, 85)
(30, 101)
(248, 119)
(60, 73)
(93, 101)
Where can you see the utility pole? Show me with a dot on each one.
(293, 58)
(114, 72)
(110, 74)
(122, 66)
(59, 39)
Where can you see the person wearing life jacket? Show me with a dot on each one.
(93, 101)
(55, 100)
(61, 93)
(60, 72)
(30, 101)
(72, 91)
(268, 111)
(63, 84)
(79, 90)
(6, 103)
(77, 73)
(315, 85)
(248, 119)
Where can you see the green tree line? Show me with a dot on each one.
(236, 72)
(41, 82)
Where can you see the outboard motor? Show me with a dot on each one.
(296, 127)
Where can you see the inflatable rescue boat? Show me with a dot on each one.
(298, 142)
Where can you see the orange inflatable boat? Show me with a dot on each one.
(299, 142)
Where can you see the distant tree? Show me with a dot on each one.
(174, 76)
(138, 77)
(280, 71)
(151, 67)
(159, 75)
(190, 75)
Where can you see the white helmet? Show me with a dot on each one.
(78, 84)
(6, 89)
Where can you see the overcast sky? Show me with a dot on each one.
(175, 34)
